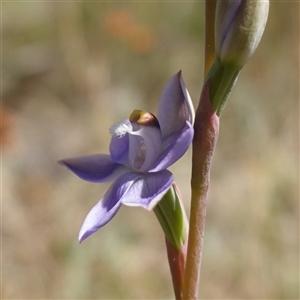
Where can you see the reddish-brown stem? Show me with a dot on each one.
(177, 262)
(205, 138)
(206, 135)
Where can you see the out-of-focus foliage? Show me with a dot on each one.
(72, 69)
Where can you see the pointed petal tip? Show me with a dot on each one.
(189, 102)
(188, 99)
(61, 162)
(83, 236)
(84, 233)
(65, 163)
(175, 106)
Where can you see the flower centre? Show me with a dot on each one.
(144, 138)
(143, 123)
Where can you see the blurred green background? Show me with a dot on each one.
(72, 69)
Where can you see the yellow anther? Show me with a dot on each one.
(143, 117)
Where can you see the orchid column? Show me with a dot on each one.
(238, 27)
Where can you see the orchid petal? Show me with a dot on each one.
(108, 206)
(94, 168)
(144, 147)
(119, 147)
(175, 106)
(148, 190)
(177, 147)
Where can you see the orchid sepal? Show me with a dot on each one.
(94, 168)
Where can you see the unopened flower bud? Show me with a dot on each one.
(239, 26)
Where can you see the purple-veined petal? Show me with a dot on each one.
(148, 190)
(94, 168)
(144, 147)
(175, 106)
(178, 146)
(108, 206)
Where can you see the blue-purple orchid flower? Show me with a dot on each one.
(141, 149)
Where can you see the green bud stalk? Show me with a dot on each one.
(223, 77)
